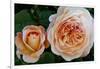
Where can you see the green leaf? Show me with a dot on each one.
(46, 57)
(22, 19)
(91, 10)
(44, 17)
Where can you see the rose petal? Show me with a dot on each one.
(37, 53)
(54, 50)
(69, 58)
(86, 51)
(89, 46)
(42, 35)
(52, 18)
(30, 59)
(20, 45)
(18, 53)
(34, 42)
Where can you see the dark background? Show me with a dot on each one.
(27, 14)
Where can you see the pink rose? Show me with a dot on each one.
(70, 32)
(31, 43)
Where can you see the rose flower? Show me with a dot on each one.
(70, 32)
(31, 43)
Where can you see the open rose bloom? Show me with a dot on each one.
(31, 43)
(70, 32)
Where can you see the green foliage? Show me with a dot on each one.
(46, 57)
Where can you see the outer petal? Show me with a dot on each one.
(89, 46)
(69, 58)
(50, 38)
(30, 59)
(18, 53)
(87, 21)
(87, 50)
(52, 17)
(54, 50)
(20, 45)
(19, 42)
(62, 10)
(34, 57)
(42, 37)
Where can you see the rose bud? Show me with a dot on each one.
(31, 43)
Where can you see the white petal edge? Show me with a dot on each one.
(50, 39)
(67, 12)
(88, 23)
(52, 17)
(90, 45)
(69, 58)
(54, 50)
(87, 50)
(30, 60)
(18, 53)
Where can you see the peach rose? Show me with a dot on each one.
(31, 43)
(70, 32)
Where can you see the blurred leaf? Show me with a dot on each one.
(46, 57)
(91, 10)
(22, 19)
(44, 17)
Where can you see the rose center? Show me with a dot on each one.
(33, 40)
(71, 33)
